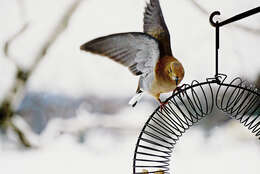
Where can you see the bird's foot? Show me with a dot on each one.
(163, 104)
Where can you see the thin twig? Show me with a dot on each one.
(20, 135)
(198, 6)
(22, 75)
(61, 27)
(14, 37)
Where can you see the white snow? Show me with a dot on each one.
(108, 146)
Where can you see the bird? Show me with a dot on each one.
(147, 54)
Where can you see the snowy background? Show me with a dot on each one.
(74, 107)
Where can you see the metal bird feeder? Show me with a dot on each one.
(239, 99)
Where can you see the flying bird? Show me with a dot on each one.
(147, 54)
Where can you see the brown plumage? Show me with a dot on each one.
(166, 68)
(147, 54)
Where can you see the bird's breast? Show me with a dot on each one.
(162, 82)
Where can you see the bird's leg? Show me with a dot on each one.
(162, 104)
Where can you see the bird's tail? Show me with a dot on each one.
(136, 98)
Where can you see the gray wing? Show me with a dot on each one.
(155, 26)
(138, 51)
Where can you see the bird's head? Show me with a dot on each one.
(176, 71)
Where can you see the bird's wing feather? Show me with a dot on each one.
(138, 51)
(155, 26)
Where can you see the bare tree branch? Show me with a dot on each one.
(7, 109)
(198, 6)
(62, 25)
(14, 37)
(7, 44)
(242, 27)
(22, 76)
(20, 135)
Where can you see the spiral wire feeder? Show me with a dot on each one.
(238, 99)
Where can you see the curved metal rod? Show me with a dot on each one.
(218, 24)
(214, 24)
(189, 105)
(234, 18)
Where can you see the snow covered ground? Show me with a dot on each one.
(97, 136)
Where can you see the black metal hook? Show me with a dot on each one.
(214, 24)
(232, 19)
(218, 24)
(163, 129)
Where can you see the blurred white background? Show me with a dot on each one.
(74, 109)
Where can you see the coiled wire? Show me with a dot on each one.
(239, 99)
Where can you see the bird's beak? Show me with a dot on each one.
(177, 80)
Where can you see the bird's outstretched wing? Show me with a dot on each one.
(155, 26)
(138, 51)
